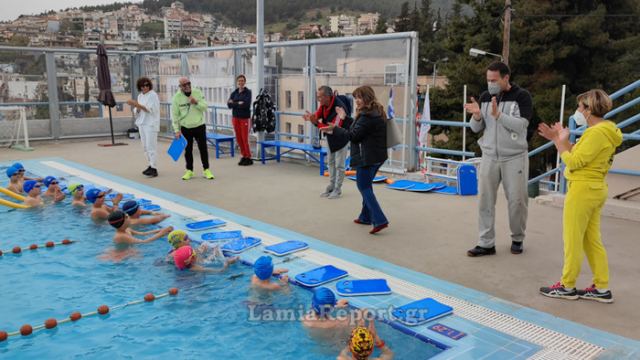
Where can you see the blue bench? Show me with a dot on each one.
(291, 146)
(215, 139)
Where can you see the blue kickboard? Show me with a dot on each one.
(376, 179)
(151, 207)
(402, 184)
(144, 201)
(222, 235)
(239, 245)
(286, 248)
(426, 187)
(363, 287)
(449, 190)
(205, 224)
(421, 311)
(319, 276)
(177, 147)
(125, 197)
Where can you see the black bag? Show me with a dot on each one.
(347, 101)
(264, 113)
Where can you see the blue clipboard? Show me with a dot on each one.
(286, 248)
(421, 311)
(319, 276)
(239, 245)
(205, 224)
(177, 147)
(363, 287)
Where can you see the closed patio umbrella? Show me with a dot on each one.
(104, 84)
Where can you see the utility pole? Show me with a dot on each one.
(507, 31)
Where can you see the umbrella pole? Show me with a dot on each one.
(113, 142)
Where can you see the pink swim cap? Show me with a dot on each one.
(183, 257)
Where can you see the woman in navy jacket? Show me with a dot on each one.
(240, 103)
(368, 136)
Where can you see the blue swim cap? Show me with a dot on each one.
(17, 166)
(11, 170)
(263, 267)
(130, 207)
(47, 181)
(29, 185)
(323, 300)
(92, 195)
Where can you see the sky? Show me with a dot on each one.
(11, 9)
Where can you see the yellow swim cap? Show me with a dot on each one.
(361, 343)
(176, 238)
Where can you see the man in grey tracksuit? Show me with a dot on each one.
(503, 113)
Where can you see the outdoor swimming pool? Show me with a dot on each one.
(210, 317)
(214, 316)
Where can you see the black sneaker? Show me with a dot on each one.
(249, 162)
(152, 173)
(558, 290)
(243, 162)
(146, 171)
(516, 247)
(480, 251)
(591, 293)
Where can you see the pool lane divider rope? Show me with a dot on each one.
(49, 244)
(51, 323)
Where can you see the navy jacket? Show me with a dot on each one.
(368, 136)
(240, 111)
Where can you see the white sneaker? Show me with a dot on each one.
(335, 194)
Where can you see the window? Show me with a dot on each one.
(300, 100)
(288, 128)
(300, 132)
(287, 97)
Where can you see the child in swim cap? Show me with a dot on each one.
(322, 303)
(53, 189)
(263, 271)
(125, 235)
(361, 344)
(77, 194)
(32, 188)
(187, 258)
(21, 172)
(15, 184)
(133, 209)
(100, 211)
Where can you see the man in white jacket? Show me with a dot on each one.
(147, 109)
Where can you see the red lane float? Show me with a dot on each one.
(49, 244)
(52, 323)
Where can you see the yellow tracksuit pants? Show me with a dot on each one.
(581, 233)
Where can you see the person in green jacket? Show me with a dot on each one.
(586, 166)
(188, 108)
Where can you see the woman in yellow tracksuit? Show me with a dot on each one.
(587, 163)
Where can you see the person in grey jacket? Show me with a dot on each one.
(504, 112)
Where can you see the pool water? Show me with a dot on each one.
(210, 320)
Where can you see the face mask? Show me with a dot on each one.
(494, 88)
(187, 93)
(579, 118)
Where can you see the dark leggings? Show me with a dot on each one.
(200, 134)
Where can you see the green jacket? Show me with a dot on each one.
(184, 113)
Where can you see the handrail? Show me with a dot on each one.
(445, 123)
(445, 151)
(634, 85)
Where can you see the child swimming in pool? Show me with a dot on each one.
(187, 258)
(361, 344)
(77, 195)
(322, 303)
(100, 211)
(125, 235)
(32, 188)
(15, 184)
(53, 189)
(133, 209)
(263, 270)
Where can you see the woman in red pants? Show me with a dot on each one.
(240, 104)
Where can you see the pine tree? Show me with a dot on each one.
(403, 22)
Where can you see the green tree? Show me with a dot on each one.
(152, 29)
(381, 27)
(403, 22)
